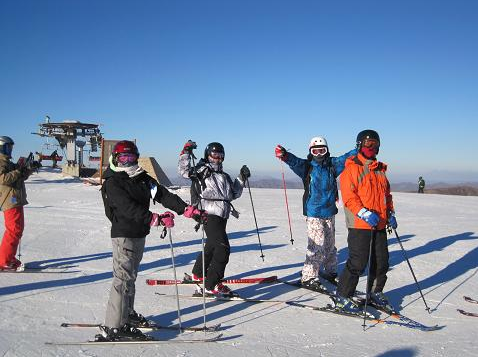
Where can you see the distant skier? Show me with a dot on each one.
(319, 174)
(421, 184)
(213, 190)
(368, 208)
(13, 196)
(126, 193)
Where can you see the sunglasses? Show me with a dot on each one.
(371, 143)
(318, 151)
(127, 158)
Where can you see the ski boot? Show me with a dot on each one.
(220, 290)
(124, 333)
(380, 301)
(13, 265)
(137, 320)
(314, 284)
(345, 304)
(330, 277)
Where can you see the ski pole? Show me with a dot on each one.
(286, 201)
(255, 220)
(367, 288)
(175, 278)
(203, 257)
(410, 266)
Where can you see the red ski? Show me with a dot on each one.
(188, 280)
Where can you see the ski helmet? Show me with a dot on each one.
(318, 141)
(214, 147)
(6, 145)
(318, 147)
(367, 134)
(125, 147)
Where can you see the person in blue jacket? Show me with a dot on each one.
(319, 174)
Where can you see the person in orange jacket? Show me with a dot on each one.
(368, 209)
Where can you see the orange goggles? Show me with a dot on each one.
(371, 143)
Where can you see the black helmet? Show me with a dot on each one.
(366, 134)
(214, 147)
(6, 145)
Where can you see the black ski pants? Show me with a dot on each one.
(359, 245)
(216, 252)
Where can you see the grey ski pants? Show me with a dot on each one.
(127, 254)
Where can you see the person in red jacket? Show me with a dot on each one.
(368, 209)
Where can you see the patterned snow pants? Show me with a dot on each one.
(321, 249)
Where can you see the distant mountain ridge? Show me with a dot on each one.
(462, 189)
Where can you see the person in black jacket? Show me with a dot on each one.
(126, 193)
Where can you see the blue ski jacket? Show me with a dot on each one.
(320, 182)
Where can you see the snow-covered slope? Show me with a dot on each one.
(65, 225)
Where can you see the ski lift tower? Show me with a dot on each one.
(67, 134)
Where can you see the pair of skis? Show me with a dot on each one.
(154, 327)
(150, 340)
(467, 313)
(402, 320)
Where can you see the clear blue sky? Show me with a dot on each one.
(250, 74)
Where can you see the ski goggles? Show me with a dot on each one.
(319, 150)
(371, 143)
(7, 149)
(127, 158)
(216, 155)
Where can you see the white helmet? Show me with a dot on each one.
(318, 141)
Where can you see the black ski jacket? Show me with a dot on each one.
(126, 202)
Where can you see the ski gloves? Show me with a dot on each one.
(189, 147)
(370, 217)
(392, 221)
(281, 153)
(198, 215)
(245, 173)
(166, 219)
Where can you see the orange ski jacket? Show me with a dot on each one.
(363, 183)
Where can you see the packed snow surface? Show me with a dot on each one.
(66, 227)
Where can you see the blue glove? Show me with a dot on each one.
(392, 221)
(370, 217)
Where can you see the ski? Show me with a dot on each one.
(188, 280)
(466, 313)
(152, 327)
(469, 299)
(223, 298)
(298, 284)
(136, 342)
(322, 290)
(39, 271)
(403, 320)
(329, 308)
